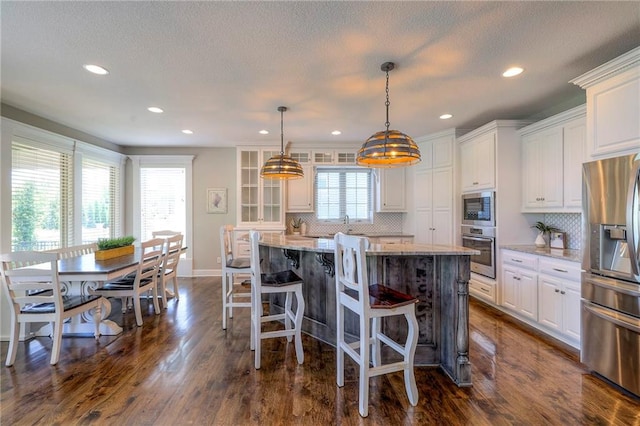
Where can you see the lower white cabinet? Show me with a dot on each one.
(559, 295)
(543, 291)
(520, 284)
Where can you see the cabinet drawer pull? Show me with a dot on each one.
(486, 290)
(516, 260)
(560, 270)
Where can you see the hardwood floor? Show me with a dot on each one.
(181, 368)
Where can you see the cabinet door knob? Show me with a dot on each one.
(562, 292)
(557, 291)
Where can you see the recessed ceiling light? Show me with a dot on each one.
(96, 69)
(445, 116)
(155, 109)
(512, 72)
(264, 132)
(187, 132)
(336, 132)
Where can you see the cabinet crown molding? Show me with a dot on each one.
(494, 125)
(609, 69)
(573, 113)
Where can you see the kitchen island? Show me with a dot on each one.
(437, 275)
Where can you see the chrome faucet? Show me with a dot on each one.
(346, 219)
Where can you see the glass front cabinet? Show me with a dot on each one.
(260, 201)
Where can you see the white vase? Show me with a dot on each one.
(540, 241)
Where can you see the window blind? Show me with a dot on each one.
(41, 197)
(162, 200)
(100, 200)
(341, 192)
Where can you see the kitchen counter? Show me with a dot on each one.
(437, 275)
(566, 254)
(326, 245)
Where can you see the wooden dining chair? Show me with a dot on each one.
(75, 251)
(31, 285)
(169, 266)
(371, 304)
(272, 283)
(144, 280)
(232, 266)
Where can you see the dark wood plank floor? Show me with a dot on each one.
(181, 368)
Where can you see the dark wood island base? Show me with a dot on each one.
(437, 275)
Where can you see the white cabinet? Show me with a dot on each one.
(552, 156)
(520, 283)
(574, 149)
(433, 198)
(477, 163)
(542, 167)
(543, 291)
(390, 190)
(559, 295)
(260, 201)
(335, 157)
(433, 190)
(300, 192)
(613, 106)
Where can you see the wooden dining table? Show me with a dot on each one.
(78, 275)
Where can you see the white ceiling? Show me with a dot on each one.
(223, 68)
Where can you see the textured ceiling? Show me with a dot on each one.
(223, 68)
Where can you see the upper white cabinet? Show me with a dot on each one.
(391, 194)
(433, 198)
(613, 106)
(334, 156)
(433, 189)
(478, 162)
(260, 201)
(552, 157)
(300, 192)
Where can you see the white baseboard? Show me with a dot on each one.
(206, 273)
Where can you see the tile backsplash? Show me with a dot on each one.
(570, 223)
(382, 222)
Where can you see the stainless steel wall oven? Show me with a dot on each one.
(482, 239)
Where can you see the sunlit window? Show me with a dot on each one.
(343, 192)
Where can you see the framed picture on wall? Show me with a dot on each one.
(557, 240)
(216, 200)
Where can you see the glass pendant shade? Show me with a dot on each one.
(388, 149)
(281, 166)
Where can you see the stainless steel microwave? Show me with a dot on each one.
(478, 209)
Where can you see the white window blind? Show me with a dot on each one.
(100, 200)
(41, 197)
(343, 192)
(162, 200)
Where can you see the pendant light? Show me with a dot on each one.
(388, 148)
(281, 166)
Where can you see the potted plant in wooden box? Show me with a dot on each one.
(108, 248)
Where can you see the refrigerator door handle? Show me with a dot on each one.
(633, 218)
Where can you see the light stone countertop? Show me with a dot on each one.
(566, 254)
(327, 245)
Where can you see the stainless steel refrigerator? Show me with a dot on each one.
(610, 333)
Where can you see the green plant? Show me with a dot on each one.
(111, 243)
(296, 223)
(540, 226)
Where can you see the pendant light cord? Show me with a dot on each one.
(281, 131)
(387, 103)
